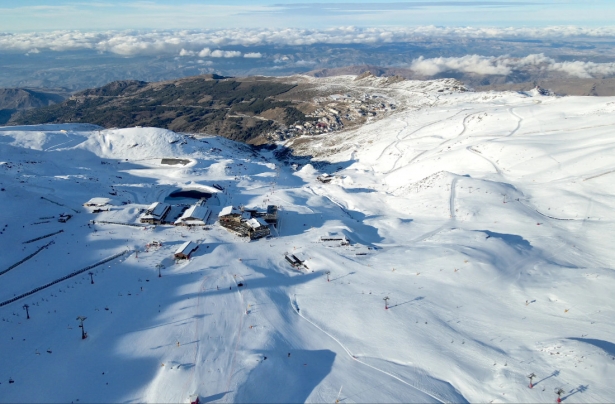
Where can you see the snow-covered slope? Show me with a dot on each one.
(486, 219)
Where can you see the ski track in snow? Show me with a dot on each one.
(399, 140)
(519, 122)
(452, 198)
(353, 357)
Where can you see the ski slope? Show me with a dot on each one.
(485, 218)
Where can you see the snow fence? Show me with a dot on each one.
(74, 273)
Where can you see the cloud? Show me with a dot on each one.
(253, 55)
(505, 65)
(215, 44)
(225, 54)
(466, 64)
(174, 42)
(584, 69)
(206, 52)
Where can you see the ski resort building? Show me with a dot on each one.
(271, 216)
(230, 218)
(257, 228)
(229, 214)
(335, 238)
(245, 222)
(64, 217)
(195, 215)
(97, 202)
(185, 250)
(156, 213)
(325, 178)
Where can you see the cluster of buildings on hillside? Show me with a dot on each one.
(195, 215)
(334, 112)
(244, 221)
(249, 222)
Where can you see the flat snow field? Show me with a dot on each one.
(487, 219)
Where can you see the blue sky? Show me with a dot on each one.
(40, 15)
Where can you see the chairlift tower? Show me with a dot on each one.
(81, 319)
(531, 376)
(559, 391)
(328, 273)
(25, 307)
(91, 277)
(386, 303)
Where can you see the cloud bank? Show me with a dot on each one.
(206, 52)
(505, 65)
(131, 43)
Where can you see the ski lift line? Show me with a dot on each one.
(60, 204)
(72, 274)
(42, 237)
(363, 363)
(26, 258)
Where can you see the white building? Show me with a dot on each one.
(97, 202)
(156, 213)
(185, 250)
(257, 228)
(195, 215)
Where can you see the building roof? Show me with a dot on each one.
(157, 209)
(198, 212)
(229, 210)
(186, 248)
(97, 202)
(255, 223)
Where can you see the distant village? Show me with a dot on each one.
(334, 113)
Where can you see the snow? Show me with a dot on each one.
(485, 218)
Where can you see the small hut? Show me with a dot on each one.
(335, 238)
(64, 217)
(97, 202)
(325, 178)
(185, 250)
